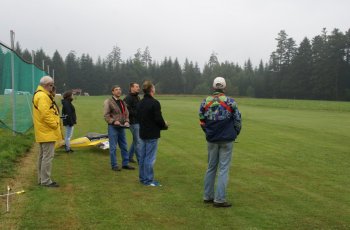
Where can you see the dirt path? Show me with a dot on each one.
(23, 179)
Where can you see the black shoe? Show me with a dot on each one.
(128, 167)
(52, 185)
(116, 168)
(222, 205)
(208, 201)
(69, 151)
(132, 160)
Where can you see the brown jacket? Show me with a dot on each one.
(112, 112)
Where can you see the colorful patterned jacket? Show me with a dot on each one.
(220, 118)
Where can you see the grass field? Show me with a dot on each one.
(290, 170)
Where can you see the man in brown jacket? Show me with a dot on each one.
(117, 117)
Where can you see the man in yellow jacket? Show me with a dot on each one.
(47, 129)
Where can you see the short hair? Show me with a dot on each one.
(147, 86)
(115, 86)
(132, 85)
(67, 94)
(45, 80)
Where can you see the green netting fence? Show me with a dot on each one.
(16, 99)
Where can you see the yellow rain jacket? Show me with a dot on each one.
(46, 117)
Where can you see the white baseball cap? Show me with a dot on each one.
(219, 83)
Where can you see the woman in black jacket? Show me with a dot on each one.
(69, 118)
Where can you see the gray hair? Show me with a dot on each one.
(45, 80)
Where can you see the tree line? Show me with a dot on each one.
(315, 69)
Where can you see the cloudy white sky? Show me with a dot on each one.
(193, 29)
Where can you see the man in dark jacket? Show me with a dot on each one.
(69, 118)
(151, 122)
(131, 100)
(221, 121)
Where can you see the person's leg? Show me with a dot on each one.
(40, 158)
(150, 159)
(123, 146)
(46, 164)
(225, 156)
(209, 179)
(113, 140)
(142, 176)
(68, 136)
(137, 139)
(132, 146)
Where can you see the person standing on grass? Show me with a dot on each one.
(69, 118)
(47, 129)
(131, 100)
(220, 119)
(151, 122)
(117, 117)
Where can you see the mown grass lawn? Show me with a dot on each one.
(290, 170)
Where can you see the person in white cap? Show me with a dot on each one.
(220, 119)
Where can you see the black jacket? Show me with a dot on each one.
(150, 118)
(131, 100)
(68, 113)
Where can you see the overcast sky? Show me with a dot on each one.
(193, 29)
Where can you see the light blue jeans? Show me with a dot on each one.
(148, 152)
(219, 157)
(135, 146)
(68, 136)
(116, 135)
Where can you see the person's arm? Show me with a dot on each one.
(107, 112)
(201, 115)
(158, 116)
(237, 119)
(126, 113)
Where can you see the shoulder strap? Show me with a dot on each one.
(52, 100)
(217, 98)
(36, 107)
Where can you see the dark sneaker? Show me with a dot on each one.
(52, 185)
(132, 160)
(208, 201)
(222, 205)
(128, 167)
(116, 168)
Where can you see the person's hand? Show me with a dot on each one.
(126, 124)
(116, 123)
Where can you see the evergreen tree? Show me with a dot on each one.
(114, 58)
(146, 57)
(60, 72)
(72, 68)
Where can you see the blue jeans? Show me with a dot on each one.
(219, 156)
(116, 136)
(68, 136)
(135, 146)
(148, 152)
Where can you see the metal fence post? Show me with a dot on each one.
(12, 34)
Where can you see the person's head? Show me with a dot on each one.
(47, 83)
(219, 84)
(134, 87)
(68, 95)
(148, 88)
(116, 91)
